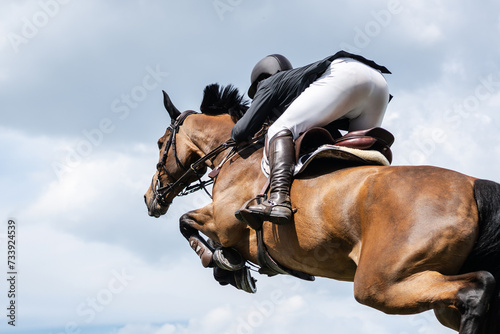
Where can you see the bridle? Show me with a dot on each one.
(160, 192)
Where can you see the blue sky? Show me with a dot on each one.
(81, 111)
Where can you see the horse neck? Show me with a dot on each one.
(208, 132)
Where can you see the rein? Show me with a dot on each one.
(160, 191)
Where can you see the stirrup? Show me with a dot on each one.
(277, 214)
(246, 216)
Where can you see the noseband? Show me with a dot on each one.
(160, 191)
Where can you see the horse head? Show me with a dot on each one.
(188, 138)
(176, 157)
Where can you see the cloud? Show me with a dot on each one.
(91, 283)
(148, 329)
(101, 199)
(438, 124)
(311, 310)
(70, 273)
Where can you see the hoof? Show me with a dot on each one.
(241, 279)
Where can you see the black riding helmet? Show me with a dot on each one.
(266, 67)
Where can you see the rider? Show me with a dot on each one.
(342, 86)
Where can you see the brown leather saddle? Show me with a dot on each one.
(376, 139)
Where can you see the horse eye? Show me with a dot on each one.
(160, 144)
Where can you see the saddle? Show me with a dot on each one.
(375, 139)
(364, 147)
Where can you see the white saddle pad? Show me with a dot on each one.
(368, 157)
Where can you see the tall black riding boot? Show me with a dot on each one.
(277, 208)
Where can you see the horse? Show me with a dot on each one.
(410, 238)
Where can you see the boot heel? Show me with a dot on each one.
(246, 216)
(281, 216)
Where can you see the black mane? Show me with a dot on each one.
(219, 100)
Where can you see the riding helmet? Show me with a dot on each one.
(266, 67)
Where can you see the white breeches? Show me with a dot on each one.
(347, 89)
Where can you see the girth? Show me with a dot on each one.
(270, 267)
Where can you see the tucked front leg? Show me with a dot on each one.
(188, 226)
(229, 265)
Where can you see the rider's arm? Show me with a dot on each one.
(255, 116)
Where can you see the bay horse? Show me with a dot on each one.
(411, 238)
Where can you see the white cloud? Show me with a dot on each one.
(94, 283)
(454, 68)
(65, 270)
(435, 128)
(425, 33)
(89, 182)
(313, 310)
(101, 200)
(494, 102)
(148, 329)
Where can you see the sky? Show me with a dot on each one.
(81, 111)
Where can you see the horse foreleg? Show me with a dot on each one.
(189, 224)
(229, 266)
(468, 294)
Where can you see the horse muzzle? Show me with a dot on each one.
(155, 208)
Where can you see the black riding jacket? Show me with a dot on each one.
(277, 92)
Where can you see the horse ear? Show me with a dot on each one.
(171, 109)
